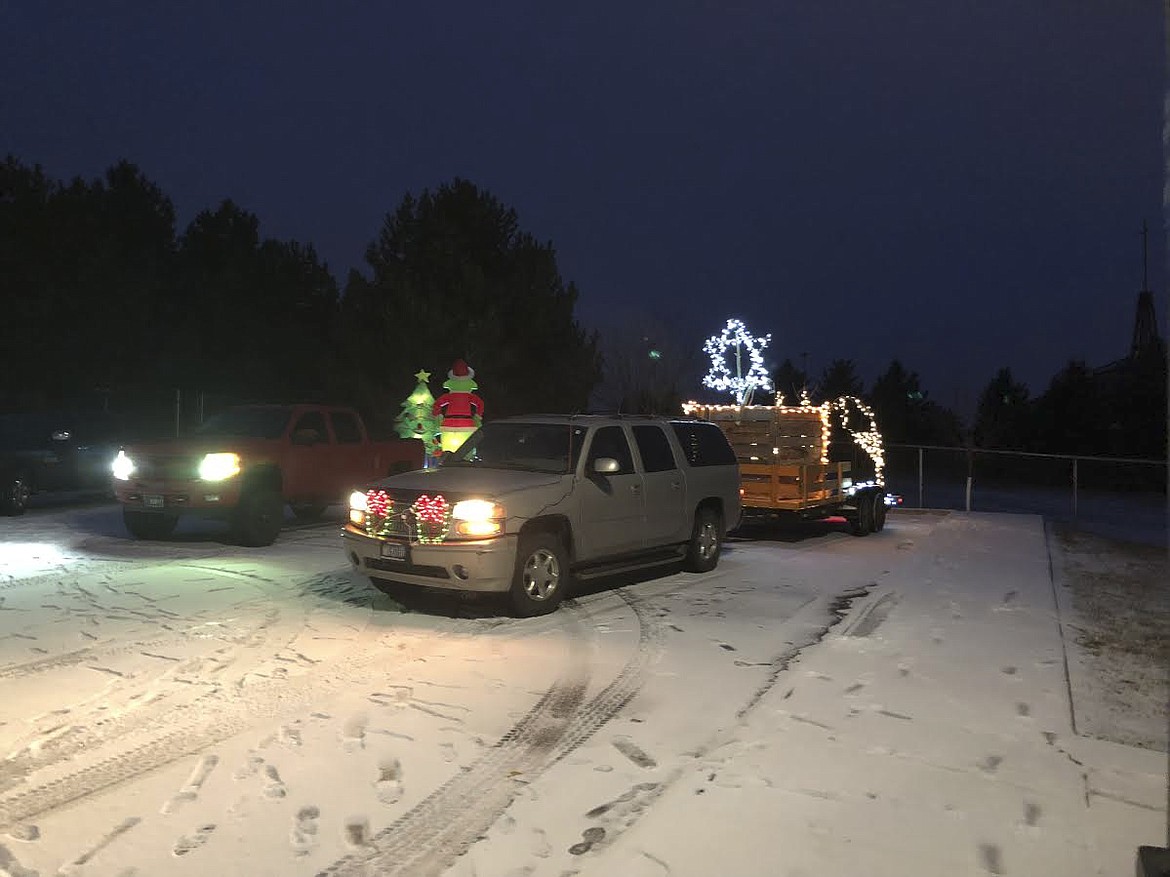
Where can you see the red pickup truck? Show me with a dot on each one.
(246, 463)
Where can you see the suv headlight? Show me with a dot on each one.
(122, 467)
(478, 517)
(217, 467)
(358, 506)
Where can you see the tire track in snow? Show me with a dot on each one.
(639, 800)
(224, 713)
(92, 653)
(67, 741)
(427, 839)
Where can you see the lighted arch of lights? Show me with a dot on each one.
(859, 421)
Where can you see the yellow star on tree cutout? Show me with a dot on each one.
(422, 377)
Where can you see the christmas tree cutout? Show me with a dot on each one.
(416, 419)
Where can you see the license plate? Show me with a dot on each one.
(152, 501)
(394, 550)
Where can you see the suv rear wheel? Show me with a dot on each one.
(542, 575)
(706, 541)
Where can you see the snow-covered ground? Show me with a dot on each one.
(820, 704)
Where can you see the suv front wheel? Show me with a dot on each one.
(542, 574)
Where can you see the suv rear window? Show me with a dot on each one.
(704, 444)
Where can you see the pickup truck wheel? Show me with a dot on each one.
(14, 500)
(541, 576)
(260, 517)
(862, 525)
(308, 511)
(147, 525)
(879, 512)
(706, 542)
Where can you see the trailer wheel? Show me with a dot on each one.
(706, 541)
(863, 523)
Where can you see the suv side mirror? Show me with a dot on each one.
(606, 466)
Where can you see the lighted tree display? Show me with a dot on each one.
(416, 419)
(735, 341)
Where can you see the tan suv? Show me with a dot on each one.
(528, 502)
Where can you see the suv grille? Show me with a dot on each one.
(407, 515)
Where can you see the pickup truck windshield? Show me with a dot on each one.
(266, 422)
(537, 447)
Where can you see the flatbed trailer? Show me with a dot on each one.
(785, 471)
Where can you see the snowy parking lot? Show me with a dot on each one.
(191, 707)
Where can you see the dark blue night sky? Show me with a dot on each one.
(960, 184)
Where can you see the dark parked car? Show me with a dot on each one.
(48, 451)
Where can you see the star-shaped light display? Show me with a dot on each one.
(749, 376)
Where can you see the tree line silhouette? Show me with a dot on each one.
(106, 298)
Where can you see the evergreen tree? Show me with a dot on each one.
(454, 277)
(1002, 419)
(1069, 417)
(896, 394)
(789, 382)
(840, 378)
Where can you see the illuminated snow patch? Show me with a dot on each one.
(22, 558)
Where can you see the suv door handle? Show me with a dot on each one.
(636, 488)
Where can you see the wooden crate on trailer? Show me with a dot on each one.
(769, 434)
(791, 486)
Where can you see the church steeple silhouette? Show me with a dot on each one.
(1146, 339)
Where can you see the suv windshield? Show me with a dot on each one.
(537, 447)
(258, 422)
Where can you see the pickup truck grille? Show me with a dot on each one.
(166, 468)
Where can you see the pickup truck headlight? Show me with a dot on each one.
(478, 517)
(123, 467)
(217, 467)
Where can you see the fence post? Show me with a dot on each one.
(1074, 488)
(920, 452)
(970, 472)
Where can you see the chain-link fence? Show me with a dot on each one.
(1115, 496)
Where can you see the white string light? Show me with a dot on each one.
(742, 384)
(850, 408)
(867, 438)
